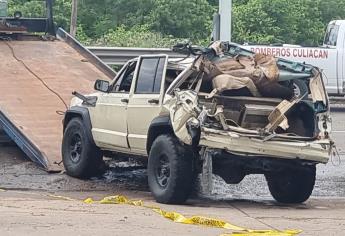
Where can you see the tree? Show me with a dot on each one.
(98, 17)
(271, 21)
(251, 23)
(332, 10)
(257, 21)
(192, 19)
(27, 8)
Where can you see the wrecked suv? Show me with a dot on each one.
(219, 110)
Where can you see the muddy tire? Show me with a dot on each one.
(292, 186)
(81, 158)
(170, 170)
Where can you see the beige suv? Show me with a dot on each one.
(220, 110)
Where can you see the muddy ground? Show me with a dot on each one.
(27, 210)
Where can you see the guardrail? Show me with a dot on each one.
(120, 55)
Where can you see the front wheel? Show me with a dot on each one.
(292, 186)
(170, 170)
(80, 156)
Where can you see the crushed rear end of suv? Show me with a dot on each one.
(220, 110)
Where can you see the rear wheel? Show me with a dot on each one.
(81, 158)
(300, 89)
(292, 186)
(170, 170)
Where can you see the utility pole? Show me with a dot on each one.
(225, 12)
(51, 26)
(74, 17)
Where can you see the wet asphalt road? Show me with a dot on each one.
(18, 173)
(28, 209)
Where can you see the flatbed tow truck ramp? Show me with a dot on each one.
(37, 77)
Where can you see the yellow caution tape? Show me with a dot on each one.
(89, 200)
(179, 218)
(61, 197)
(195, 220)
(265, 233)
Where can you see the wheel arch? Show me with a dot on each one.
(83, 114)
(160, 125)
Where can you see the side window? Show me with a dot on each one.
(123, 84)
(150, 75)
(331, 35)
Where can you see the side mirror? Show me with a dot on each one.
(101, 85)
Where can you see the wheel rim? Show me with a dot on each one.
(75, 148)
(162, 171)
(296, 90)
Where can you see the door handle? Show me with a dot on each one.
(153, 101)
(124, 100)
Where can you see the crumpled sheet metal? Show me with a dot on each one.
(278, 118)
(245, 145)
(317, 89)
(183, 110)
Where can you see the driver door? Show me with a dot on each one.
(146, 99)
(109, 121)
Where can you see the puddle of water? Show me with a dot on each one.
(128, 174)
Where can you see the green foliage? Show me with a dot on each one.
(36, 8)
(97, 17)
(138, 36)
(161, 23)
(332, 10)
(27, 8)
(191, 18)
(161, 19)
(253, 24)
(82, 37)
(268, 21)
(62, 13)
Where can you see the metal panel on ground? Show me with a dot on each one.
(36, 81)
(4, 139)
